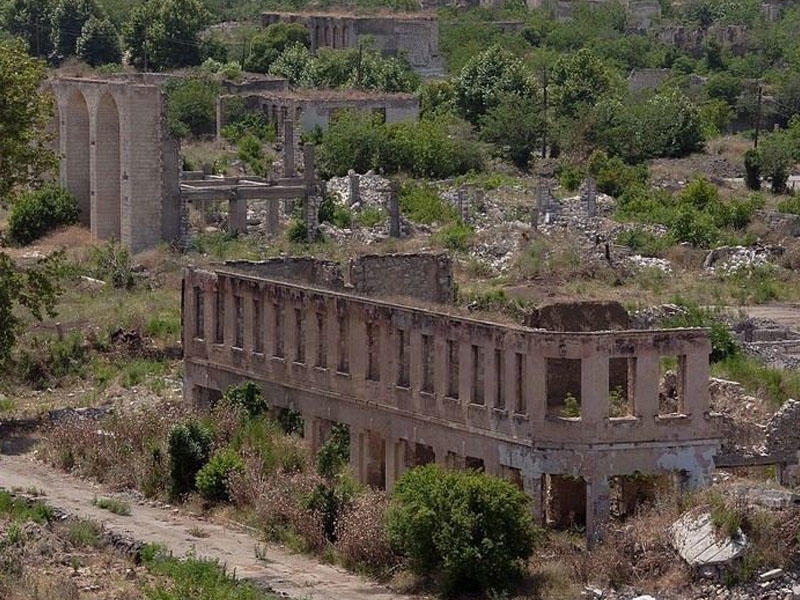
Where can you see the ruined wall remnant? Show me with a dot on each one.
(118, 158)
(415, 385)
(300, 269)
(580, 316)
(414, 36)
(315, 108)
(425, 276)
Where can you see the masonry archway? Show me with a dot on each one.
(107, 176)
(76, 153)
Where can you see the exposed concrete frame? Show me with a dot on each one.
(513, 438)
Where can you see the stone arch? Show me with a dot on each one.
(107, 200)
(75, 142)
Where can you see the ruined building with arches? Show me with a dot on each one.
(118, 159)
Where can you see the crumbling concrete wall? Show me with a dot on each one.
(304, 269)
(580, 316)
(472, 391)
(425, 276)
(118, 158)
(414, 36)
(316, 108)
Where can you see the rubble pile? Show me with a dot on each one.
(728, 260)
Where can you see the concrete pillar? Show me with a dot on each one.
(463, 205)
(594, 388)
(237, 214)
(357, 454)
(355, 187)
(394, 211)
(273, 221)
(309, 208)
(288, 148)
(598, 492)
(532, 485)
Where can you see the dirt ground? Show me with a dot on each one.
(293, 575)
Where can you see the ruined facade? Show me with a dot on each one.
(118, 158)
(416, 385)
(414, 36)
(316, 108)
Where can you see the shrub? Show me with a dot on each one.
(334, 454)
(47, 360)
(212, 479)
(361, 539)
(118, 507)
(336, 214)
(297, 232)
(473, 530)
(189, 446)
(112, 262)
(191, 106)
(752, 168)
(643, 242)
(613, 175)
(723, 343)
(36, 213)
(244, 124)
(371, 216)
(247, 396)
(422, 204)
(570, 177)
(455, 236)
(250, 151)
(329, 501)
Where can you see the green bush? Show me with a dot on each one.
(212, 479)
(189, 446)
(422, 204)
(36, 213)
(437, 147)
(613, 176)
(329, 502)
(336, 214)
(752, 168)
(371, 216)
(191, 106)
(472, 530)
(455, 236)
(643, 242)
(250, 151)
(247, 396)
(723, 343)
(249, 125)
(297, 232)
(111, 262)
(334, 454)
(569, 177)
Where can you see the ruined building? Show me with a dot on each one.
(573, 418)
(118, 159)
(414, 36)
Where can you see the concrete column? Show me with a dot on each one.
(288, 148)
(237, 214)
(309, 203)
(594, 388)
(313, 433)
(355, 187)
(273, 221)
(248, 339)
(598, 494)
(646, 385)
(695, 380)
(532, 485)
(394, 452)
(357, 441)
(394, 211)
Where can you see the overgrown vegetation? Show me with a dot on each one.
(36, 213)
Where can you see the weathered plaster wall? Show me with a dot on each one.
(428, 277)
(474, 392)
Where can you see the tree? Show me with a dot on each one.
(293, 64)
(266, 46)
(579, 81)
(69, 18)
(25, 111)
(99, 42)
(517, 124)
(32, 21)
(35, 290)
(486, 78)
(473, 530)
(165, 34)
(191, 105)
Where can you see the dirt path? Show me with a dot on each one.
(294, 575)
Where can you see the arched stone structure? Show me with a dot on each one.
(118, 158)
(75, 150)
(106, 205)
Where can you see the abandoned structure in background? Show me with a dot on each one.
(315, 108)
(573, 418)
(118, 159)
(414, 36)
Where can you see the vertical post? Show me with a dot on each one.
(394, 211)
(272, 217)
(355, 187)
(309, 203)
(237, 214)
(463, 205)
(288, 148)
(591, 197)
(598, 492)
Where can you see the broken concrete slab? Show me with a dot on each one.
(699, 543)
